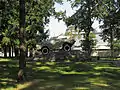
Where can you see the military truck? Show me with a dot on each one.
(60, 42)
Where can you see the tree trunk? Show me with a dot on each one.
(31, 52)
(5, 51)
(111, 42)
(89, 28)
(88, 49)
(16, 51)
(9, 51)
(27, 51)
(12, 50)
(22, 63)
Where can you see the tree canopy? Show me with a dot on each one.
(106, 11)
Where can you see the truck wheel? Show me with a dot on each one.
(45, 50)
(66, 47)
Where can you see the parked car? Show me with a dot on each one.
(60, 42)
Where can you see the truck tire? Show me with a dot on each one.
(66, 47)
(45, 50)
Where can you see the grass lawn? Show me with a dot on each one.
(60, 76)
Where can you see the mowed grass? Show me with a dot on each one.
(60, 76)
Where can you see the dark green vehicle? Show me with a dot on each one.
(60, 42)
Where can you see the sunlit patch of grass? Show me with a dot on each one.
(81, 88)
(63, 72)
(22, 86)
(67, 68)
(5, 82)
(101, 84)
(6, 79)
(106, 67)
(97, 73)
(10, 88)
(50, 63)
(42, 68)
(19, 86)
(38, 63)
(3, 60)
(73, 72)
(98, 80)
(67, 61)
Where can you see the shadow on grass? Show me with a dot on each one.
(8, 73)
(72, 76)
(61, 76)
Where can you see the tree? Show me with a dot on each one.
(6, 13)
(22, 63)
(92, 42)
(37, 14)
(116, 44)
(111, 26)
(84, 18)
(23, 22)
(102, 10)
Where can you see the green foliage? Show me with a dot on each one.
(84, 15)
(8, 24)
(83, 20)
(102, 10)
(59, 1)
(109, 27)
(92, 42)
(38, 13)
(31, 43)
(72, 32)
(5, 41)
(17, 42)
(61, 15)
(111, 24)
(116, 44)
(37, 16)
(76, 3)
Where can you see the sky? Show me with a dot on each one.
(56, 28)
